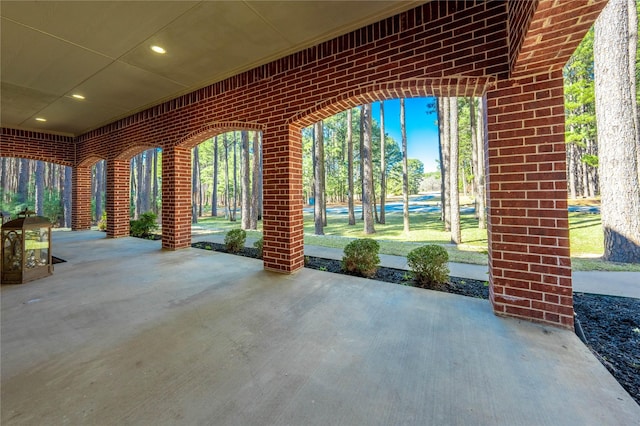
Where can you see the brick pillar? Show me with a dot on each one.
(529, 263)
(81, 198)
(176, 198)
(118, 198)
(282, 199)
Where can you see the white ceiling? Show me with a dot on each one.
(101, 50)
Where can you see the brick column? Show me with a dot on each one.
(81, 198)
(529, 263)
(176, 198)
(118, 198)
(282, 199)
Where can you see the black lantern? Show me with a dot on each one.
(26, 249)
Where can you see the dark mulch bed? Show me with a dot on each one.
(612, 328)
(611, 325)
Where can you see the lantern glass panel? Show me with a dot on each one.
(12, 260)
(36, 247)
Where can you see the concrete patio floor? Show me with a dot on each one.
(125, 333)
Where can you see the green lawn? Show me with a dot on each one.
(426, 228)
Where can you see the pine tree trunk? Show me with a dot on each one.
(140, 183)
(352, 216)
(246, 191)
(362, 118)
(255, 182)
(375, 206)
(214, 191)
(317, 159)
(194, 185)
(441, 164)
(405, 170)
(314, 171)
(227, 203)
(235, 175)
(3, 180)
(367, 170)
(593, 171)
(446, 163)
(66, 197)
(617, 136)
(474, 155)
(148, 169)
(39, 187)
(23, 182)
(200, 189)
(383, 167)
(482, 137)
(260, 179)
(323, 176)
(154, 200)
(571, 170)
(456, 237)
(585, 179)
(99, 189)
(632, 14)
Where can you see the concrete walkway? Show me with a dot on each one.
(624, 284)
(126, 333)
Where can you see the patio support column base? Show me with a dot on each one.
(282, 199)
(529, 259)
(118, 198)
(176, 198)
(81, 198)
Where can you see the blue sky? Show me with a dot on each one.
(422, 130)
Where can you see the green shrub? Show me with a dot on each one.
(102, 223)
(144, 226)
(361, 257)
(234, 240)
(258, 246)
(428, 265)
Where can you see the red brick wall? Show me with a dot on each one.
(81, 198)
(117, 198)
(37, 146)
(521, 14)
(529, 263)
(556, 29)
(176, 198)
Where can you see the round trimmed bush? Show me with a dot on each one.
(259, 244)
(361, 257)
(428, 265)
(234, 240)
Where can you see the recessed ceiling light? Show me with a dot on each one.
(158, 49)
(75, 95)
(40, 119)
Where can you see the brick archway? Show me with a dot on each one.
(216, 128)
(176, 185)
(415, 88)
(81, 193)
